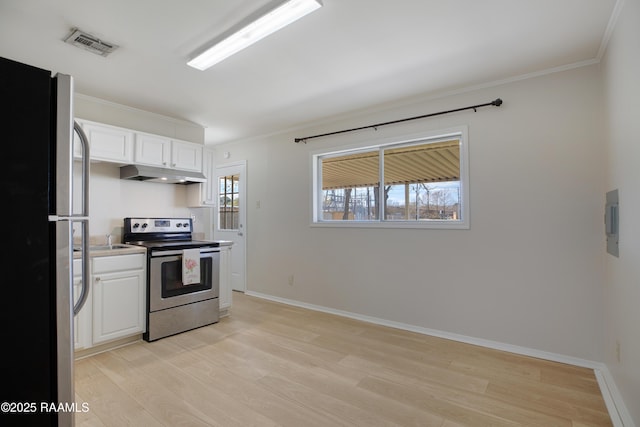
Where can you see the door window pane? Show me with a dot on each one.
(229, 202)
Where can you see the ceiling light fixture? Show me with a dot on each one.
(254, 28)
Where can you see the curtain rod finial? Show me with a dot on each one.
(497, 102)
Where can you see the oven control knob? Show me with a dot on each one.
(178, 225)
(136, 225)
(186, 224)
(144, 225)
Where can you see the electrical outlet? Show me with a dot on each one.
(618, 351)
(291, 280)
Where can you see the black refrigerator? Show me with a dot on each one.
(40, 217)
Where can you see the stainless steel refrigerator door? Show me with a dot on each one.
(64, 145)
(64, 319)
(64, 244)
(64, 218)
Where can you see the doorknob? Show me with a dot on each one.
(240, 233)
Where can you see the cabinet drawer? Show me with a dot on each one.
(107, 264)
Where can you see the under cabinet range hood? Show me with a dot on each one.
(163, 175)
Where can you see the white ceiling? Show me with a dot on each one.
(349, 55)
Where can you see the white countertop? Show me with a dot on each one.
(117, 249)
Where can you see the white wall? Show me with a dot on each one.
(621, 70)
(529, 272)
(99, 110)
(111, 198)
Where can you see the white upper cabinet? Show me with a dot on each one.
(209, 191)
(109, 143)
(186, 156)
(163, 152)
(204, 194)
(152, 150)
(77, 146)
(125, 146)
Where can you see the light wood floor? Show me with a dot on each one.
(270, 364)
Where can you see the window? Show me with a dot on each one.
(229, 202)
(416, 183)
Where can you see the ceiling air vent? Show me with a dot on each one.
(91, 43)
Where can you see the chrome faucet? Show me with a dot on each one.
(109, 242)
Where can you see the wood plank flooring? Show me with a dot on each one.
(269, 364)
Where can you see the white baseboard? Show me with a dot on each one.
(620, 417)
(613, 398)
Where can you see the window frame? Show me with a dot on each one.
(460, 132)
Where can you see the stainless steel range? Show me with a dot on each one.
(183, 275)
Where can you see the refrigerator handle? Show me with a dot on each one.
(84, 292)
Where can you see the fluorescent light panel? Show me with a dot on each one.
(281, 16)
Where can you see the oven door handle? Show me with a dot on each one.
(157, 254)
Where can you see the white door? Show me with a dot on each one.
(230, 217)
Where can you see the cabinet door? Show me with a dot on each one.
(77, 284)
(81, 321)
(209, 188)
(225, 281)
(109, 143)
(186, 156)
(204, 194)
(118, 305)
(152, 150)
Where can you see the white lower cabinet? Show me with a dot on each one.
(81, 321)
(119, 292)
(116, 303)
(225, 280)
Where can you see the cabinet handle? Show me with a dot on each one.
(97, 279)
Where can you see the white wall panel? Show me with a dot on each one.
(528, 272)
(621, 68)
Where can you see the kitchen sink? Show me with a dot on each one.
(108, 247)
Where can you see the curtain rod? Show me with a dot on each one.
(497, 103)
